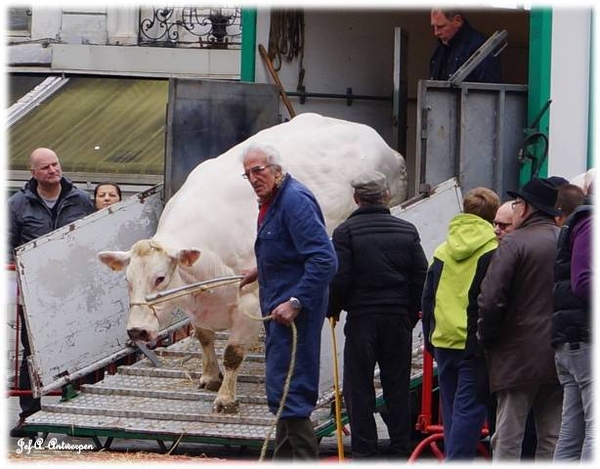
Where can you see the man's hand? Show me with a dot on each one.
(250, 276)
(285, 313)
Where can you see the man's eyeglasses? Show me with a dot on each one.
(255, 171)
(501, 225)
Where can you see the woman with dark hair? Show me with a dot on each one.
(105, 194)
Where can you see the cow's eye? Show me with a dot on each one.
(158, 281)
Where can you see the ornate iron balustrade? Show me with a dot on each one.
(210, 28)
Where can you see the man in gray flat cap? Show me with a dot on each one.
(379, 283)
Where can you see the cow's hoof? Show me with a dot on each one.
(211, 385)
(232, 407)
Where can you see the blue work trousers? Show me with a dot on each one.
(464, 405)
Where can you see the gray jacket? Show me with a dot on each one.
(30, 217)
(515, 306)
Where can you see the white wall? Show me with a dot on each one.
(569, 91)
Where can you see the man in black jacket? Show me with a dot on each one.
(379, 283)
(47, 201)
(456, 42)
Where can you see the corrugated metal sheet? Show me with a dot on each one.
(99, 125)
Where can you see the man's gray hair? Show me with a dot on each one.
(450, 13)
(272, 154)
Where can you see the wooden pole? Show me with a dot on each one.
(269, 64)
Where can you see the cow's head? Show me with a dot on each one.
(150, 268)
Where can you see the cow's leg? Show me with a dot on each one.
(211, 374)
(233, 356)
(243, 335)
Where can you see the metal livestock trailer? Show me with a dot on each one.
(76, 312)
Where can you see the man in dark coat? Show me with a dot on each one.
(515, 317)
(457, 40)
(47, 202)
(379, 283)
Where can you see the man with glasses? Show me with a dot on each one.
(503, 220)
(295, 264)
(515, 311)
(502, 226)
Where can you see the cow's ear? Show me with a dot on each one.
(116, 260)
(188, 257)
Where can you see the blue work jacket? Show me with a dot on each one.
(295, 257)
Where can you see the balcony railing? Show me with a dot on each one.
(205, 28)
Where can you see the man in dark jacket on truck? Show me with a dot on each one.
(457, 40)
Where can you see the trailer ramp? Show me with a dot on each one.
(164, 403)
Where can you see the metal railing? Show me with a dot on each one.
(205, 28)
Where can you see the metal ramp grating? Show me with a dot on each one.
(144, 401)
(164, 403)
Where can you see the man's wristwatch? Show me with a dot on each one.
(295, 302)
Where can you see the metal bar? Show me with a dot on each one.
(17, 340)
(302, 94)
(34, 98)
(499, 144)
(494, 41)
(167, 295)
(141, 346)
(77, 176)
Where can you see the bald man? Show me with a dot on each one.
(503, 220)
(47, 201)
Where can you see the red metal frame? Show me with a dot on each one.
(424, 421)
(15, 391)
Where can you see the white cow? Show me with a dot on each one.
(208, 228)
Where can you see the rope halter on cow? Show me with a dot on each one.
(174, 293)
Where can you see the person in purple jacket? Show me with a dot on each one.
(295, 264)
(572, 334)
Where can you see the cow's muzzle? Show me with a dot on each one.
(137, 333)
(141, 329)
